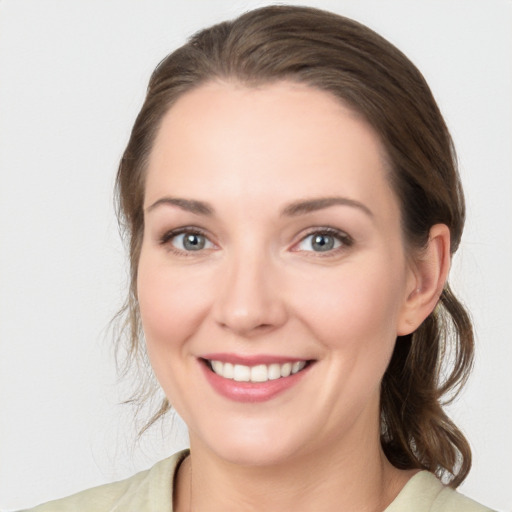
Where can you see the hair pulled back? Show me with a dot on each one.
(366, 72)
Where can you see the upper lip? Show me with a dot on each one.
(251, 360)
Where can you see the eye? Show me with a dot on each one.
(324, 241)
(187, 241)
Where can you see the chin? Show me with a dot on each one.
(270, 453)
(253, 444)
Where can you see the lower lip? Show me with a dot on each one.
(251, 391)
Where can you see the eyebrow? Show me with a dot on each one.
(189, 205)
(294, 209)
(311, 205)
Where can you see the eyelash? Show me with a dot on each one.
(168, 236)
(343, 238)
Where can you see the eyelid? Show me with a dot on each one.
(344, 238)
(169, 235)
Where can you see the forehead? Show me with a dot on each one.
(265, 143)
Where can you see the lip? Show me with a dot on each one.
(251, 360)
(250, 392)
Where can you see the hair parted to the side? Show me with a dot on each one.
(363, 70)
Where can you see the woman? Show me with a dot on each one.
(292, 203)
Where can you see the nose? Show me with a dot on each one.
(250, 301)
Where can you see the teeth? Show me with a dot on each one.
(227, 370)
(241, 373)
(274, 371)
(217, 366)
(297, 367)
(286, 369)
(258, 373)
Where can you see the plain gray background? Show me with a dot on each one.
(72, 77)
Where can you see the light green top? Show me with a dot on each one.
(151, 491)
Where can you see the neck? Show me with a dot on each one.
(332, 480)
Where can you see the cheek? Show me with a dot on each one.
(171, 304)
(354, 307)
(353, 315)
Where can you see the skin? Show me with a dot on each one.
(259, 287)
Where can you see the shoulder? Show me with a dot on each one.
(425, 493)
(448, 500)
(147, 491)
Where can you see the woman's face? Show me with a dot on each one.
(272, 245)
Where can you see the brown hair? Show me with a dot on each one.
(347, 59)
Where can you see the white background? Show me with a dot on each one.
(72, 77)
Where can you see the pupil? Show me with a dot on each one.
(193, 242)
(323, 242)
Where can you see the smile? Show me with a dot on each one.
(253, 378)
(256, 373)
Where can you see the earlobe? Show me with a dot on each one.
(430, 272)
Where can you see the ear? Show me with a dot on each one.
(429, 272)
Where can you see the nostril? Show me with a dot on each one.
(263, 327)
(244, 328)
